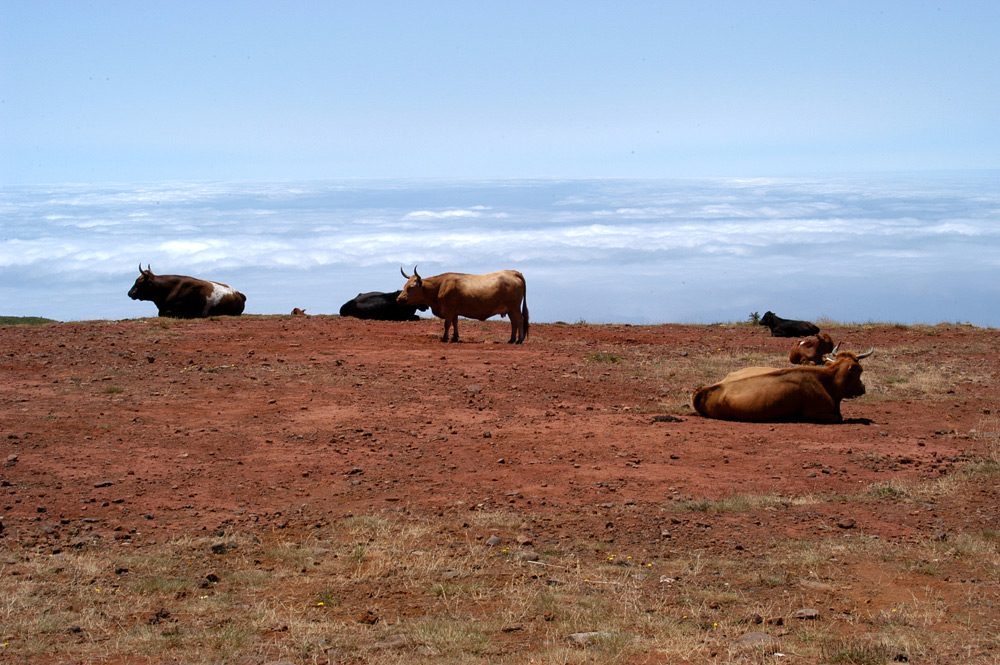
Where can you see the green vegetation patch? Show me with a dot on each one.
(25, 321)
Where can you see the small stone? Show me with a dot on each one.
(525, 555)
(807, 613)
(757, 641)
(587, 639)
(368, 618)
(394, 642)
(846, 523)
(493, 541)
(817, 586)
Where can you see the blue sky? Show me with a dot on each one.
(129, 92)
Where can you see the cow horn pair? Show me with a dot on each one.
(148, 269)
(832, 356)
(408, 276)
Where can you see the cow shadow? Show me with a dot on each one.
(858, 421)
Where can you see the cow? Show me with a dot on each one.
(787, 327)
(811, 351)
(378, 306)
(298, 311)
(793, 394)
(453, 294)
(184, 297)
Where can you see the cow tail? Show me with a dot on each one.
(524, 313)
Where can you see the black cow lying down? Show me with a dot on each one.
(184, 297)
(787, 327)
(378, 306)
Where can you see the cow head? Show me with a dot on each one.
(413, 292)
(767, 319)
(847, 370)
(143, 284)
(811, 351)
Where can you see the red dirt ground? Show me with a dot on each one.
(195, 423)
(147, 429)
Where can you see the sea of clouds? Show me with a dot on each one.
(908, 248)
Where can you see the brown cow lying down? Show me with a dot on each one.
(794, 394)
(454, 294)
(810, 351)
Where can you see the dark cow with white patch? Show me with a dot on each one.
(184, 297)
(378, 306)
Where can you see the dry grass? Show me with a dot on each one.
(383, 588)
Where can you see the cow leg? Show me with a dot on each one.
(447, 324)
(454, 329)
(516, 329)
(827, 413)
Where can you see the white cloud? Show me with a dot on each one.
(708, 244)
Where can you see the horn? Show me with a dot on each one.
(832, 356)
(415, 272)
(403, 273)
(140, 266)
(866, 353)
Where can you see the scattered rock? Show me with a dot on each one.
(817, 586)
(587, 639)
(398, 641)
(756, 640)
(846, 523)
(368, 618)
(525, 555)
(493, 541)
(807, 613)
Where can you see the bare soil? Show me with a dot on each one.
(144, 430)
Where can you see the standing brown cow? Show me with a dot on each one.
(454, 294)
(794, 394)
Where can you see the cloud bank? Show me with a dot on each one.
(908, 249)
